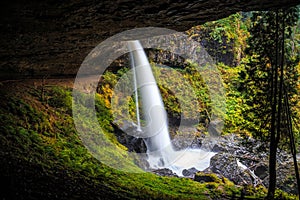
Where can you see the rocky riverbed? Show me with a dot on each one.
(243, 161)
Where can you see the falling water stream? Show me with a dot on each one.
(155, 133)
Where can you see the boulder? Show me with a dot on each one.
(203, 177)
(261, 170)
(164, 172)
(190, 173)
(132, 143)
(226, 165)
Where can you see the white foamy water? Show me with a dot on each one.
(184, 159)
(190, 158)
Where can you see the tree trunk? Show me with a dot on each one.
(273, 145)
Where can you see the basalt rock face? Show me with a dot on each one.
(53, 37)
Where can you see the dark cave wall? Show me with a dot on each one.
(53, 37)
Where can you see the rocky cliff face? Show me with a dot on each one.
(53, 37)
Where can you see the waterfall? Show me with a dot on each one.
(156, 133)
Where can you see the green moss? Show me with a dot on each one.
(44, 134)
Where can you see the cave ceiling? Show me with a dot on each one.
(55, 36)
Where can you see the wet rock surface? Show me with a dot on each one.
(165, 172)
(133, 144)
(227, 165)
(245, 162)
(190, 173)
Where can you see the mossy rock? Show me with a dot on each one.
(203, 177)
